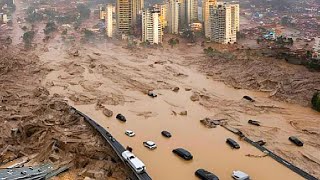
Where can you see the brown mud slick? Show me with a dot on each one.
(118, 79)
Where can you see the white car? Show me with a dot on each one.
(239, 175)
(150, 144)
(130, 133)
(133, 161)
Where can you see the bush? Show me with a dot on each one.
(316, 101)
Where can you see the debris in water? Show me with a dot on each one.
(183, 113)
(195, 97)
(107, 112)
(175, 89)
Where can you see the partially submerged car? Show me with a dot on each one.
(248, 98)
(166, 134)
(253, 122)
(239, 175)
(121, 117)
(233, 143)
(133, 161)
(205, 175)
(296, 141)
(130, 133)
(261, 142)
(150, 144)
(183, 153)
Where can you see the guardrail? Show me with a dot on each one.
(279, 159)
(116, 146)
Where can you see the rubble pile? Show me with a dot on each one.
(37, 128)
(285, 82)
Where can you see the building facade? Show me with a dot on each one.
(316, 49)
(224, 22)
(151, 26)
(206, 6)
(127, 12)
(124, 16)
(136, 10)
(173, 16)
(109, 20)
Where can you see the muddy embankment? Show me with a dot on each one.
(249, 70)
(38, 127)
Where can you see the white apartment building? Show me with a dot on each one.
(224, 23)
(151, 26)
(3, 18)
(173, 16)
(109, 20)
(316, 48)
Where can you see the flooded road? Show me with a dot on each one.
(119, 80)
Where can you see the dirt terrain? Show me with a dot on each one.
(38, 127)
(116, 77)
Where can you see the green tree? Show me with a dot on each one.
(50, 27)
(188, 34)
(28, 38)
(173, 41)
(316, 101)
(88, 34)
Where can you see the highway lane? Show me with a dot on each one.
(117, 147)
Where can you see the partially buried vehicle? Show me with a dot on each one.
(183, 153)
(205, 175)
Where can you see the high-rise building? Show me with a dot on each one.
(136, 9)
(206, 5)
(224, 22)
(173, 16)
(151, 26)
(109, 20)
(102, 12)
(124, 16)
(194, 16)
(163, 14)
(127, 12)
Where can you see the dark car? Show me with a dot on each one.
(121, 117)
(183, 153)
(248, 98)
(261, 142)
(233, 143)
(166, 134)
(205, 175)
(296, 141)
(253, 122)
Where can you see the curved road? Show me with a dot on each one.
(117, 147)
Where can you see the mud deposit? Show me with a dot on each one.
(108, 76)
(38, 127)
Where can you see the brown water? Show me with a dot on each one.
(147, 117)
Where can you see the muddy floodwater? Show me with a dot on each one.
(86, 80)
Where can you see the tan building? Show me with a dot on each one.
(188, 12)
(123, 13)
(127, 12)
(163, 14)
(173, 16)
(137, 7)
(151, 26)
(206, 4)
(224, 23)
